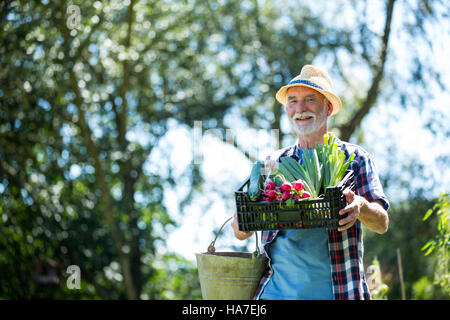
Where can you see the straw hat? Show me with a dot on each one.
(313, 78)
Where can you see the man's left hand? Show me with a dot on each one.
(354, 205)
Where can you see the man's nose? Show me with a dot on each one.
(299, 107)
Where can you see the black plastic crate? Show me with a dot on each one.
(309, 213)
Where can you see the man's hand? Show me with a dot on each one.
(353, 208)
(371, 214)
(241, 235)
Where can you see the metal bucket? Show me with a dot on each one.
(229, 275)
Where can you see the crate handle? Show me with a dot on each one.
(242, 185)
(212, 249)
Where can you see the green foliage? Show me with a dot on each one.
(440, 242)
(407, 232)
(378, 289)
(176, 278)
(81, 112)
(424, 289)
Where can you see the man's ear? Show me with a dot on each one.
(330, 108)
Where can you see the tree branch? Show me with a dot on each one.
(109, 211)
(347, 130)
(87, 40)
(121, 121)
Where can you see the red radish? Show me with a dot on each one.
(265, 199)
(298, 185)
(285, 187)
(306, 194)
(270, 185)
(297, 196)
(286, 195)
(271, 194)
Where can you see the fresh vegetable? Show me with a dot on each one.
(271, 194)
(286, 195)
(284, 191)
(333, 160)
(279, 180)
(293, 171)
(254, 191)
(324, 166)
(285, 187)
(298, 185)
(306, 195)
(269, 185)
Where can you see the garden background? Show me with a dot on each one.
(126, 126)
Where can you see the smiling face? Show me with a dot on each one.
(307, 110)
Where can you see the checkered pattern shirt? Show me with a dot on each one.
(346, 248)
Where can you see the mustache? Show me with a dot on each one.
(303, 115)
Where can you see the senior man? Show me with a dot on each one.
(321, 264)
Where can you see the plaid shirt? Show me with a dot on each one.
(346, 248)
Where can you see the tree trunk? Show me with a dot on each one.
(126, 167)
(109, 211)
(277, 112)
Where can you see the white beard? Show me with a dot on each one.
(318, 120)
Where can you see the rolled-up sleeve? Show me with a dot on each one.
(367, 180)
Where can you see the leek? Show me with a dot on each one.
(325, 166)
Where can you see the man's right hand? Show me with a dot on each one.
(241, 235)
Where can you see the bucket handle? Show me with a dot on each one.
(212, 249)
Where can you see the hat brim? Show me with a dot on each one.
(334, 99)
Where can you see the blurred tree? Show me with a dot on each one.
(87, 92)
(86, 95)
(84, 100)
